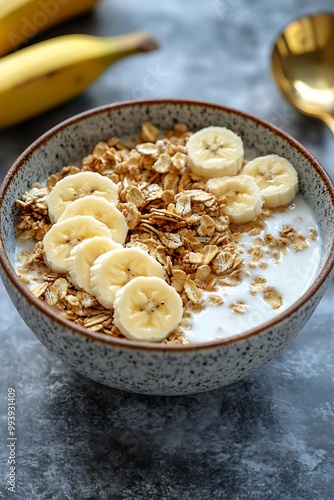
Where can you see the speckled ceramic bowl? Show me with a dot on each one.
(156, 368)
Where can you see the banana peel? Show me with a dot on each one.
(21, 20)
(46, 74)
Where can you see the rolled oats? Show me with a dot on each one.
(162, 164)
(149, 133)
(191, 290)
(258, 284)
(272, 297)
(313, 234)
(239, 307)
(170, 215)
(216, 299)
(38, 290)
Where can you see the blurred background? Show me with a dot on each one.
(217, 51)
(267, 437)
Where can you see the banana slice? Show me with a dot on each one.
(114, 269)
(243, 197)
(147, 309)
(214, 152)
(276, 178)
(82, 257)
(63, 236)
(102, 210)
(76, 186)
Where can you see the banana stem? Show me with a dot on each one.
(329, 120)
(118, 47)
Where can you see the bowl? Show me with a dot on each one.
(150, 368)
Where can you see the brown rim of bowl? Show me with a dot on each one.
(125, 343)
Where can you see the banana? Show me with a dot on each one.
(63, 236)
(112, 270)
(276, 178)
(82, 257)
(21, 20)
(48, 73)
(103, 211)
(147, 309)
(77, 186)
(215, 152)
(243, 197)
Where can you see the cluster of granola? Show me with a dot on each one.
(170, 215)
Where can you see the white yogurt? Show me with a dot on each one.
(290, 276)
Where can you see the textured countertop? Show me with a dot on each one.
(270, 436)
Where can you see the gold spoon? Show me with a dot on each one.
(303, 65)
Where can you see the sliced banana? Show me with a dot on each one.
(63, 236)
(243, 197)
(102, 210)
(276, 178)
(77, 186)
(82, 257)
(147, 309)
(214, 152)
(114, 269)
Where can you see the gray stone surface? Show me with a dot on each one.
(267, 437)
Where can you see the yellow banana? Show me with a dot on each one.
(21, 20)
(41, 76)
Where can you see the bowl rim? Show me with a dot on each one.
(150, 346)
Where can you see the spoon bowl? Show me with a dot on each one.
(303, 65)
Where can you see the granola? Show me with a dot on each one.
(172, 216)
